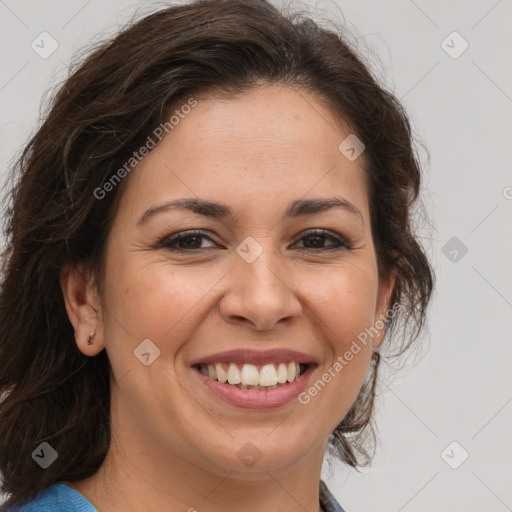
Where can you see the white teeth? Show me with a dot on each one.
(282, 373)
(268, 376)
(222, 375)
(292, 372)
(250, 376)
(233, 374)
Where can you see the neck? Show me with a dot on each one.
(116, 488)
(138, 473)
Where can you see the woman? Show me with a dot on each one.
(209, 238)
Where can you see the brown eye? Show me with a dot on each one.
(317, 238)
(314, 240)
(187, 241)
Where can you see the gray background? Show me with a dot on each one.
(461, 108)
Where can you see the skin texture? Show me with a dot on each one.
(174, 446)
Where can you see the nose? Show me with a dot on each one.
(261, 294)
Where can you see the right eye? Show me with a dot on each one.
(184, 242)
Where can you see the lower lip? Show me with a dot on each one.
(247, 399)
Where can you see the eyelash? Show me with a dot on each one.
(170, 242)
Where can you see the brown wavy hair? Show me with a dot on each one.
(114, 97)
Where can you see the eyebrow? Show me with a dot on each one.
(222, 211)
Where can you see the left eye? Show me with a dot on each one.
(319, 235)
(191, 241)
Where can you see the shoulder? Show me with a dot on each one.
(328, 502)
(58, 497)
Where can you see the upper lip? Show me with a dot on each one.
(255, 357)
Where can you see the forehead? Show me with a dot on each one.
(271, 145)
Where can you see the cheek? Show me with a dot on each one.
(148, 298)
(345, 304)
(346, 310)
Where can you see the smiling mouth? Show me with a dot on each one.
(253, 377)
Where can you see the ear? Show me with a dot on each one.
(82, 305)
(386, 286)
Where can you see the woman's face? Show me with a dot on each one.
(257, 280)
